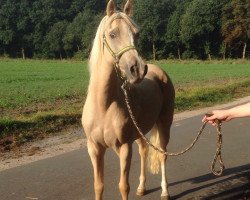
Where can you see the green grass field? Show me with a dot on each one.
(28, 83)
(46, 95)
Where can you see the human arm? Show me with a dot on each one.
(228, 114)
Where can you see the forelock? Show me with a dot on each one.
(120, 15)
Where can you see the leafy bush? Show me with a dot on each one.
(81, 55)
(189, 54)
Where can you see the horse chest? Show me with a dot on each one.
(107, 128)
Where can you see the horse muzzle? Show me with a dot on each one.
(137, 75)
(145, 70)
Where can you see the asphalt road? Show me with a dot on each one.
(69, 176)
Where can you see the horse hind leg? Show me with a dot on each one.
(164, 134)
(143, 149)
(157, 160)
(96, 154)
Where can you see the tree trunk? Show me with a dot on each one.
(23, 53)
(154, 56)
(66, 54)
(60, 55)
(179, 53)
(224, 53)
(244, 51)
(78, 47)
(209, 57)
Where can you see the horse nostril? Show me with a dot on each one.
(133, 70)
(145, 70)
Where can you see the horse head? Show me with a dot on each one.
(119, 36)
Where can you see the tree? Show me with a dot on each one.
(15, 26)
(7, 25)
(24, 27)
(179, 28)
(173, 32)
(55, 36)
(200, 25)
(76, 7)
(80, 32)
(235, 23)
(223, 50)
(44, 14)
(152, 18)
(96, 5)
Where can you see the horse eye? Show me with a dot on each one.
(112, 35)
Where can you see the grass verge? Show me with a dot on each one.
(208, 96)
(40, 126)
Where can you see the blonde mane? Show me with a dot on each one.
(96, 54)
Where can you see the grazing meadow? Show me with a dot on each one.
(45, 96)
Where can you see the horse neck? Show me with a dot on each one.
(104, 85)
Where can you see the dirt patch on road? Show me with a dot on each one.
(73, 139)
(68, 140)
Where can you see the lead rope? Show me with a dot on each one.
(219, 138)
(218, 152)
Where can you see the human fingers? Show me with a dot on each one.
(204, 119)
(207, 116)
(211, 116)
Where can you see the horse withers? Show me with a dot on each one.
(106, 120)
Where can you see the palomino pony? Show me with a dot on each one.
(106, 120)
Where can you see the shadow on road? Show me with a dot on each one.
(234, 184)
(152, 190)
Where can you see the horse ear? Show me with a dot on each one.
(128, 7)
(111, 8)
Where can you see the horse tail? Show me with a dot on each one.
(153, 155)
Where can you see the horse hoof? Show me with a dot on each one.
(165, 198)
(140, 192)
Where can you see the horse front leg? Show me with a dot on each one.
(125, 155)
(96, 154)
(143, 150)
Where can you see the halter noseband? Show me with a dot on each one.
(119, 54)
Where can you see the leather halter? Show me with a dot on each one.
(117, 56)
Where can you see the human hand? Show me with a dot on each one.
(221, 115)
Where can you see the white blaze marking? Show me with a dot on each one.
(131, 36)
